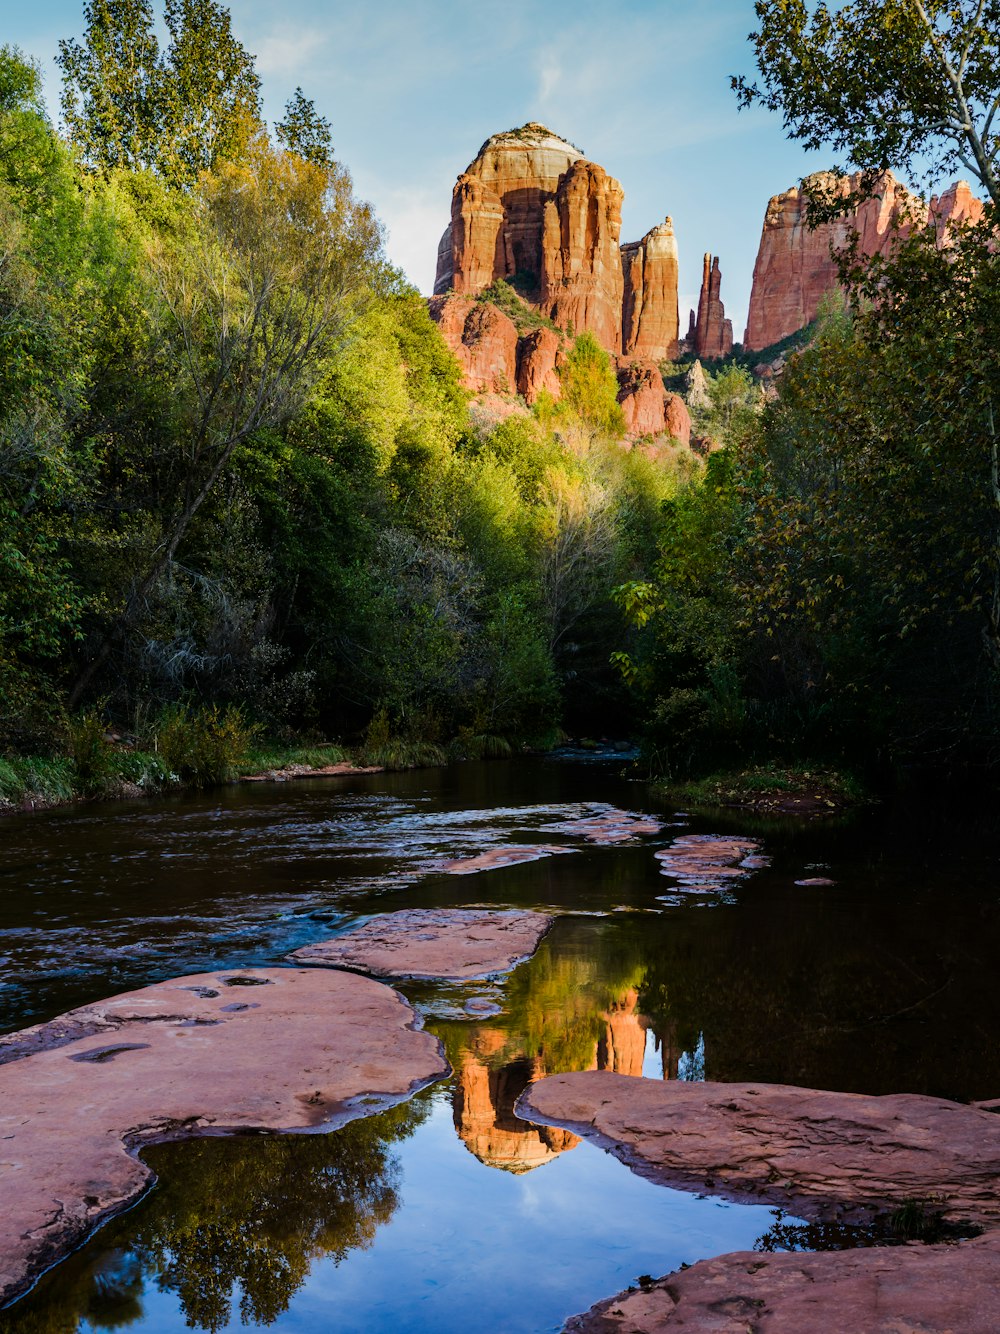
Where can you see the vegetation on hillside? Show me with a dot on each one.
(242, 494)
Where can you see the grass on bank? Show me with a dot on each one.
(772, 788)
(194, 746)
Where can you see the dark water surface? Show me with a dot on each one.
(449, 1213)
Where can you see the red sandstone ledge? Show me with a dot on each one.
(450, 944)
(901, 1290)
(819, 1154)
(280, 1049)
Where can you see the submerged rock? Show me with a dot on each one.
(497, 857)
(452, 944)
(700, 861)
(217, 1053)
(608, 826)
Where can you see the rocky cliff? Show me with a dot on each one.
(498, 359)
(533, 210)
(649, 314)
(530, 208)
(711, 335)
(795, 266)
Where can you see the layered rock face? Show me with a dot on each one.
(650, 326)
(795, 266)
(711, 336)
(532, 208)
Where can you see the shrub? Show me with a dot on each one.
(203, 746)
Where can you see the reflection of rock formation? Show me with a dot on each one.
(622, 1045)
(488, 1087)
(484, 1110)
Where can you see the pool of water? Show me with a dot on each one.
(451, 1213)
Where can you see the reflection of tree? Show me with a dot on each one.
(558, 1005)
(246, 1213)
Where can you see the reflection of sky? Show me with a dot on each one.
(472, 1248)
(412, 89)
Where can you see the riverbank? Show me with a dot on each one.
(35, 783)
(809, 791)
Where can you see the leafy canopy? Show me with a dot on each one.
(910, 84)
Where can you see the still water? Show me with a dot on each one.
(449, 1213)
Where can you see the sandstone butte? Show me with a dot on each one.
(454, 944)
(530, 208)
(279, 1049)
(795, 268)
(823, 1155)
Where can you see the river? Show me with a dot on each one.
(449, 1213)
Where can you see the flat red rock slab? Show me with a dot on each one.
(897, 1290)
(608, 827)
(705, 859)
(277, 1049)
(816, 882)
(337, 770)
(452, 944)
(496, 857)
(815, 1153)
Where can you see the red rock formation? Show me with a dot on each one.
(795, 266)
(641, 395)
(956, 206)
(531, 207)
(713, 335)
(650, 321)
(581, 270)
(483, 339)
(539, 354)
(648, 409)
(678, 419)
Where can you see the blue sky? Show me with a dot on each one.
(413, 87)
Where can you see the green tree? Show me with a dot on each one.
(910, 84)
(590, 388)
(126, 104)
(305, 131)
(111, 85)
(252, 300)
(209, 91)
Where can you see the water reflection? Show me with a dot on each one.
(232, 1223)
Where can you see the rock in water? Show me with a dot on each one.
(819, 1153)
(453, 944)
(277, 1049)
(900, 1290)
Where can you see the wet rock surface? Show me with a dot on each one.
(512, 855)
(704, 862)
(450, 944)
(227, 1052)
(906, 1290)
(824, 1154)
